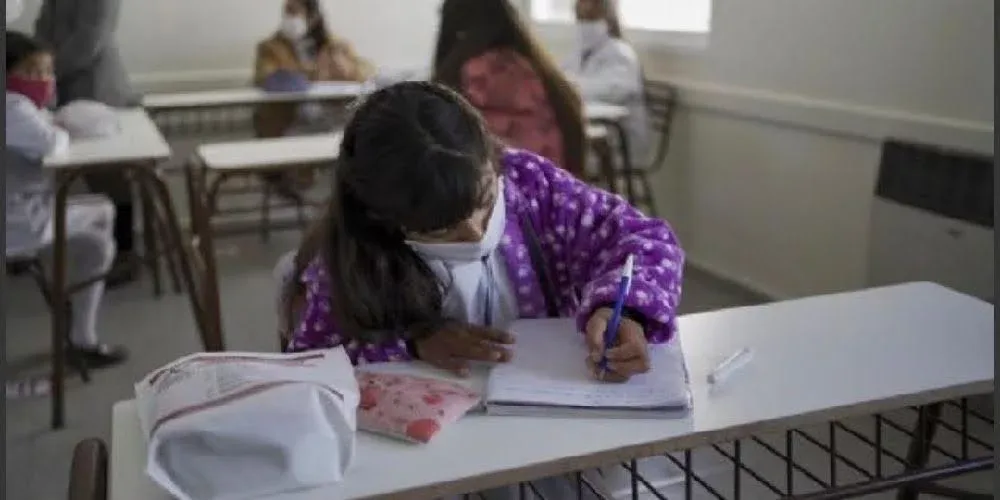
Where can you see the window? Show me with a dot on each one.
(679, 16)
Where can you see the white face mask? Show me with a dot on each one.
(592, 33)
(294, 27)
(467, 252)
(14, 9)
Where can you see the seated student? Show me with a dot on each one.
(487, 52)
(303, 50)
(606, 69)
(90, 246)
(436, 238)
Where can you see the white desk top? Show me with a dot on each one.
(815, 359)
(601, 112)
(274, 152)
(320, 91)
(138, 141)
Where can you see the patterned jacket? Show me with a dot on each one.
(584, 236)
(510, 95)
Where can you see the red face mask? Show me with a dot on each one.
(39, 91)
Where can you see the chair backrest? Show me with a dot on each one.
(88, 478)
(661, 102)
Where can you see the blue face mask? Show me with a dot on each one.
(466, 252)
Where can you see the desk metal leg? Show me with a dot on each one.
(154, 234)
(606, 163)
(199, 206)
(920, 445)
(152, 255)
(627, 167)
(161, 196)
(60, 297)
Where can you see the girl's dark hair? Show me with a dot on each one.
(472, 27)
(611, 17)
(318, 33)
(20, 47)
(414, 156)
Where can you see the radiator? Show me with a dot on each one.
(932, 220)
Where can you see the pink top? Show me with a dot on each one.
(510, 95)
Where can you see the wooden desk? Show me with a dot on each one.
(136, 150)
(275, 153)
(214, 164)
(601, 112)
(139, 141)
(816, 360)
(319, 92)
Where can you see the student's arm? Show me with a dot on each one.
(317, 329)
(32, 133)
(595, 232)
(93, 30)
(616, 80)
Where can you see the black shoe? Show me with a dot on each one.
(100, 355)
(18, 268)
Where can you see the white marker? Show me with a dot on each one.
(730, 365)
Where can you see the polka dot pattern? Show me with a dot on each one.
(586, 235)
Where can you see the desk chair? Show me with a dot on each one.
(33, 266)
(88, 474)
(661, 101)
(598, 139)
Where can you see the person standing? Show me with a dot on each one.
(88, 66)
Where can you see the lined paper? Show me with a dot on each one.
(549, 369)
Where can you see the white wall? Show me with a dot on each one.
(776, 152)
(774, 155)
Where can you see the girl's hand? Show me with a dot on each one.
(628, 357)
(454, 345)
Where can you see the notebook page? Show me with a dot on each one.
(549, 368)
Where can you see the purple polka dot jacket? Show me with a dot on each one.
(585, 234)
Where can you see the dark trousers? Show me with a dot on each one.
(114, 185)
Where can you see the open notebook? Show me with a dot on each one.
(548, 377)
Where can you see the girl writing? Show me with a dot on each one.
(436, 238)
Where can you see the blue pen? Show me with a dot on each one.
(611, 334)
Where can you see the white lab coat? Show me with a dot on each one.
(31, 134)
(612, 74)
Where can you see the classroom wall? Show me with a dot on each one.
(775, 150)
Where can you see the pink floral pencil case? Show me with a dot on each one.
(411, 408)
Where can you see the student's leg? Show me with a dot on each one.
(115, 186)
(90, 251)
